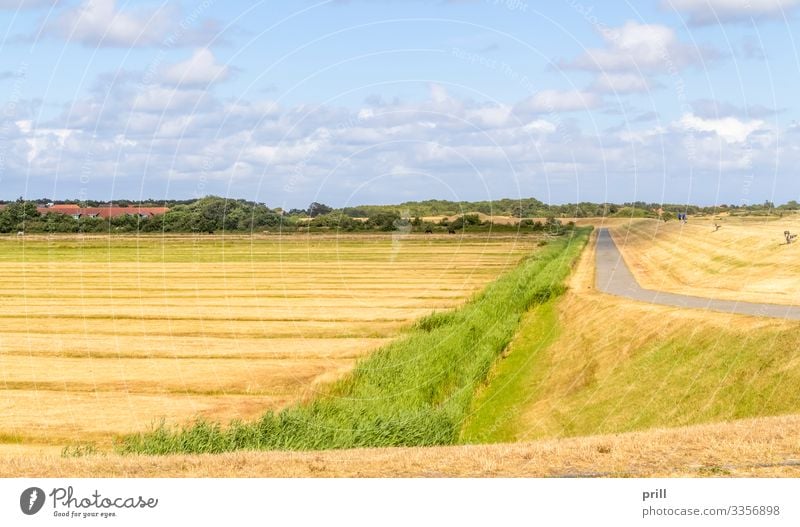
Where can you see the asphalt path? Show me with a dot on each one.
(614, 277)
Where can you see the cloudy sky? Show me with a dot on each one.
(381, 101)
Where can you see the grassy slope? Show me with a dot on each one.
(685, 376)
(515, 380)
(614, 365)
(415, 391)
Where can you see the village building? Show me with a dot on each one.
(104, 212)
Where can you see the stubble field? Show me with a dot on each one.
(103, 336)
(747, 259)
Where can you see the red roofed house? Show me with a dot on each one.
(105, 212)
(70, 210)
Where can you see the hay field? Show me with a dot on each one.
(747, 259)
(101, 336)
(765, 447)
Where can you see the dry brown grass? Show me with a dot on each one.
(746, 260)
(101, 336)
(766, 447)
(497, 220)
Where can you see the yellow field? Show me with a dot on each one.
(766, 447)
(100, 336)
(747, 259)
(98, 340)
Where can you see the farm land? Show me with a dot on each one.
(590, 384)
(101, 336)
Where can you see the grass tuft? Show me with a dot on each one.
(79, 450)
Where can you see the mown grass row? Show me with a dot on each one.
(416, 391)
(289, 248)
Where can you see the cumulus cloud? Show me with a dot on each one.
(621, 83)
(160, 100)
(636, 48)
(547, 101)
(704, 12)
(101, 23)
(710, 108)
(43, 142)
(163, 136)
(731, 129)
(201, 69)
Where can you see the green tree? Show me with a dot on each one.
(384, 221)
(318, 209)
(16, 215)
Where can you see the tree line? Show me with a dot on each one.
(216, 214)
(207, 215)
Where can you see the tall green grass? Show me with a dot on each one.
(416, 391)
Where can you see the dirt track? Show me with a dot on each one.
(614, 277)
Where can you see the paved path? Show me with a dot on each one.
(614, 277)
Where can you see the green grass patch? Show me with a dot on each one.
(515, 381)
(416, 391)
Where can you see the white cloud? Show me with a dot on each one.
(201, 69)
(636, 47)
(547, 101)
(731, 129)
(619, 83)
(42, 142)
(703, 12)
(25, 4)
(439, 93)
(100, 23)
(489, 116)
(540, 126)
(143, 137)
(160, 99)
(642, 137)
(710, 108)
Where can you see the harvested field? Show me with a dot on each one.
(100, 336)
(765, 447)
(747, 259)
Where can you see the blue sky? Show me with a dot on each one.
(370, 101)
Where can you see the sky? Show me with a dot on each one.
(353, 102)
